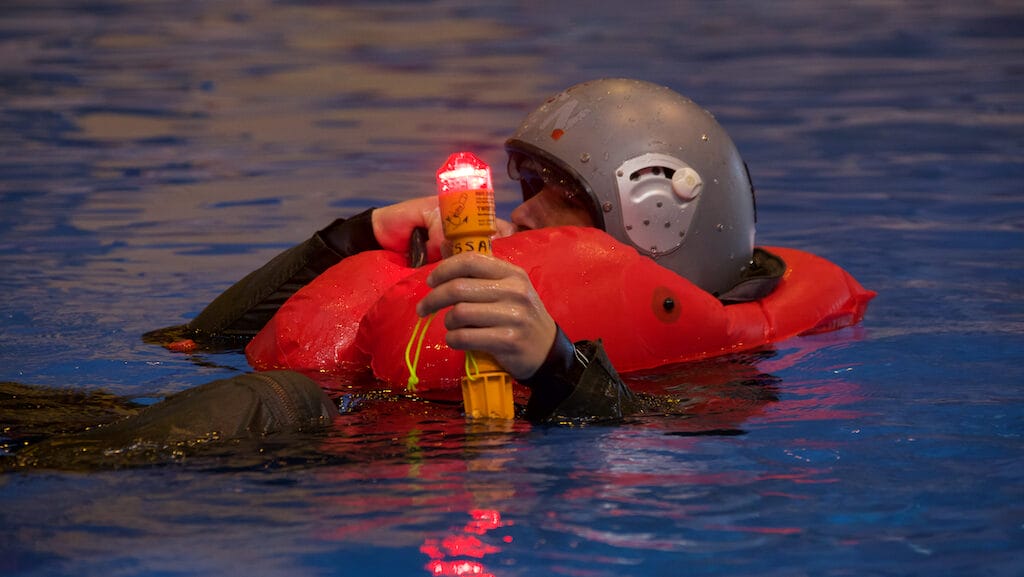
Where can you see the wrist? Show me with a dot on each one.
(556, 377)
(348, 236)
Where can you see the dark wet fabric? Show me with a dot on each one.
(31, 413)
(247, 407)
(555, 379)
(759, 280)
(245, 307)
(577, 383)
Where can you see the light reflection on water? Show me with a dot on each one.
(153, 153)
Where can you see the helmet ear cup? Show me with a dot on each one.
(657, 208)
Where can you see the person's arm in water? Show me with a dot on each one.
(495, 309)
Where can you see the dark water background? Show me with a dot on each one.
(154, 152)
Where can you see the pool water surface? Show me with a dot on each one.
(153, 153)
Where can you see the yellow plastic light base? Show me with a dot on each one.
(488, 396)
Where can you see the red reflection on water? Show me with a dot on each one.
(464, 543)
(760, 530)
(483, 521)
(457, 568)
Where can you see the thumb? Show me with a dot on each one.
(435, 234)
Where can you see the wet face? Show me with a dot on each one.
(552, 206)
(549, 197)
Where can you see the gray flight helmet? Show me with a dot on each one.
(662, 174)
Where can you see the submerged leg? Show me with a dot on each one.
(244, 407)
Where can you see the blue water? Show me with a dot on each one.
(152, 153)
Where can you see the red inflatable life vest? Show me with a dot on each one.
(361, 312)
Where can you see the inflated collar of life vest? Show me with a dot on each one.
(361, 312)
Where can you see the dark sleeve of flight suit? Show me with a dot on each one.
(244, 308)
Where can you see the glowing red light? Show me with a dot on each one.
(463, 171)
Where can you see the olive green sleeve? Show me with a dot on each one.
(243, 309)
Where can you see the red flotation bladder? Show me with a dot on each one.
(362, 311)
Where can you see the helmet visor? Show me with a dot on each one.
(534, 175)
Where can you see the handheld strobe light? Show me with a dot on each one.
(466, 198)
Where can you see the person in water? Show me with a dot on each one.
(637, 160)
(634, 159)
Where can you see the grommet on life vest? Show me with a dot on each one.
(664, 305)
